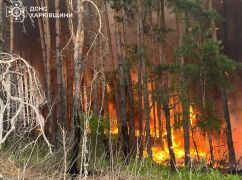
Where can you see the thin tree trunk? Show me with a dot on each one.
(160, 124)
(131, 119)
(230, 144)
(169, 136)
(44, 56)
(78, 67)
(69, 67)
(162, 59)
(106, 103)
(153, 107)
(186, 104)
(124, 128)
(1, 26)
(60, 105)
(210, 140)
(11, 48)
(140, 109)
(114, 80)
(195, 144)
(140, 87)
(47, 46)
(145, 79)
(132, 116)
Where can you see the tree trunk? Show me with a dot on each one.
(210, 140)
(140, 110)
(1, 26)
(78, 67)
(60, 105)
(169, 136)
(132, 116)
(124, 127)
(45, 56)
(195, 144)
(186, 103)
(162, 59)
(145, 79)
(11, 48)
(114, 80)
(153, 107)
(230, 144)
(47, 44)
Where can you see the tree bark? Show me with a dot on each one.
(162, 59)
(114, 80)
(132, 116)
(169, 136)
(11, 47)
(124, 127)
(210, 140)
(78, 67)
(46, 47)
(230, 144)
(1, 25)
(60, 105)
(53, 123)
(145, 80)
(186, 103)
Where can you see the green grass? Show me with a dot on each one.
(150, 170)
(136, 169)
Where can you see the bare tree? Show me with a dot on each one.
(24, 75)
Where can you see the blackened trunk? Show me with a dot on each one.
(232, 158)
(154, 107)
(74, 170)
(210, 141)
(169, 137)
(140, 111)
(186, 127)
(132, 116)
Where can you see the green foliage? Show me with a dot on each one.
(193, 8)
(199, 62)
(209, 118)
(126, 5)
(99, 126)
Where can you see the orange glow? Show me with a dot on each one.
(192, 115)
(199, 146)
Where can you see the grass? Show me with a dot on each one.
(52, 165)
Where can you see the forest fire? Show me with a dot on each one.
(122, 81)
(161, 154)
(160, 151)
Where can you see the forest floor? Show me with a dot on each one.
(50, 167)
(10, 170)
